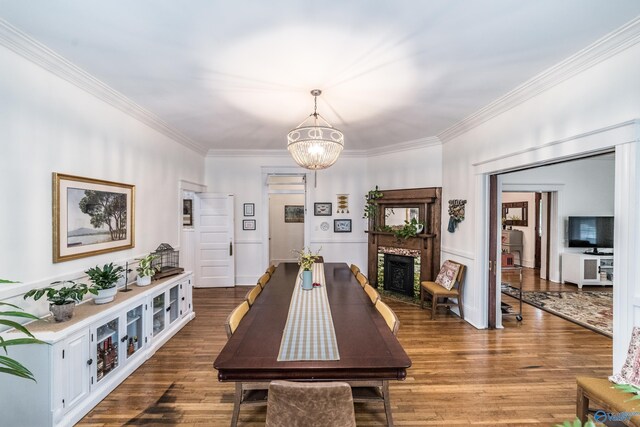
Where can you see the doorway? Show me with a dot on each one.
(286, 199)
(566, 189)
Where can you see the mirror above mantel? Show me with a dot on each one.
(396, 216)
(515, 213)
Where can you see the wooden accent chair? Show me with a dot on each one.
(362, 279)
(263, 280)
(315, 404)
(253, 294)
(246, 393)
(378, 391)
(437, 291)
(355, 269)
(374, 296)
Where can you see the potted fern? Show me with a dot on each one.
(8, 365)
(145, 270)
(62, 301)
(104, 282)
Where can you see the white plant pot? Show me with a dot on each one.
(143, 280)
(105, 295)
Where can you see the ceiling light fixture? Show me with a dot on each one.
(315, 144)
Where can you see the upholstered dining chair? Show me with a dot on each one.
(263, 280)
(314, 404)
(246, 393)
(376, 391)
(253, 294)
(448, 284)
(362, 279)
(355, 269)
(374, 296)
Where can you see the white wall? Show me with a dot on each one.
(537, 130)
(242, 175)
(49, 125)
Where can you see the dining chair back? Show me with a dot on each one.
(362, 279)
(355, 269)
(374, 296)
(233, 320)
(389, 316)
(315, 404)
(253, 294)
(271, 269)
(263, 280)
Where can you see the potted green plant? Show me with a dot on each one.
(410, 229)
(104, 281)
(306, 260)
(145, 270)
(8, 365)
(62, 300)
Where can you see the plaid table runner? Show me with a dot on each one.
(309, 332)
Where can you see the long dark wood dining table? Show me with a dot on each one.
(368, 349)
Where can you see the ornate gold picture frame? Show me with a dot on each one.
(91, 217)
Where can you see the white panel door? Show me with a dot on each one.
(215, 266)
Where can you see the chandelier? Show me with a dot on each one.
(315, 144)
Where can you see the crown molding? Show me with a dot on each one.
(396, 148)
(604, 48)
(34, 51)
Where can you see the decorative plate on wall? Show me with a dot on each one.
(324, 226)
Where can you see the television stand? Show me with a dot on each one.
(585, 269)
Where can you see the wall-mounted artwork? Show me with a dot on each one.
(293, 213)
(343, 203)
(249, 209)
(249, 224)
(342, 226)
(187, 213)
(322, 209)
(91, 217)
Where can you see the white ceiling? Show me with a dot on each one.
(237, 74)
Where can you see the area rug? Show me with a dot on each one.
(591, 309)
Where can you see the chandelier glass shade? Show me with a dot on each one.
(315, 144)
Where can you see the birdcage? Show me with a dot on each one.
(167, 261)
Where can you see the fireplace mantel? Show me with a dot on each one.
(428, 243)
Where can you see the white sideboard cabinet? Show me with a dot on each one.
(585, 269)
(87, 357)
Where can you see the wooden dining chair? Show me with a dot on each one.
(314, 404)
(362, 279)
(271, 269)
(374, 296)
(253, 294)
(440, 288)
(246, 393)
(378, 391)
(355, 269)
(263, 280)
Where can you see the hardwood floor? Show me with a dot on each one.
(531, 281)
(517, 376)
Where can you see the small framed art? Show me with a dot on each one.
(293, 213)
(187, 213)
(342, 226)
(322, 209)
(249, 209)
(249, 224)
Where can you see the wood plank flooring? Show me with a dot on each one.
(521, 375)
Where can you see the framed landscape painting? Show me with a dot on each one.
(293, 213)
(91, 217)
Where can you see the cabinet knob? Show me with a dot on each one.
(124, 338)
(169, 308)
(90, 362)
(182, 298)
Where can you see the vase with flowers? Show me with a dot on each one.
(306, 258)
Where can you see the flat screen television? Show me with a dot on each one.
(590, 232)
